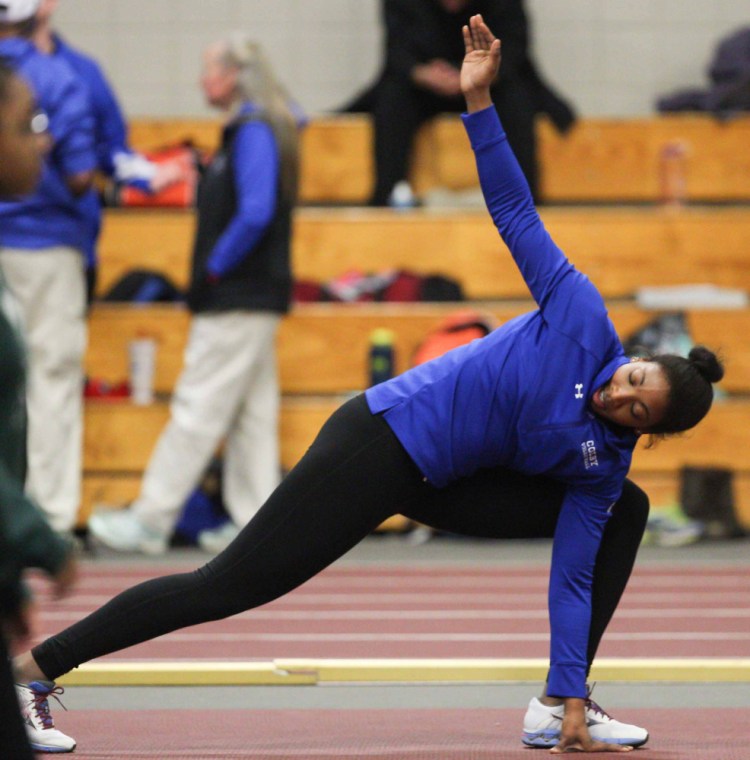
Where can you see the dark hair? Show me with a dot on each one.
(690, 388)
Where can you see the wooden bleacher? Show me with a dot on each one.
(332, 341)
(599, 160)
(323, 347)
(620, 248)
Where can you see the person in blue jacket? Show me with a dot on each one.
(43, 239)
(115, 158)
(527, 432)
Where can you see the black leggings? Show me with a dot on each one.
(355, 475)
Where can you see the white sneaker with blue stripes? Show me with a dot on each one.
(542, 724)
(40, 727)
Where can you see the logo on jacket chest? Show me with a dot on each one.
(588, 449)
(579, 390)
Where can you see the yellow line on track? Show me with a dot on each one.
(296, 672)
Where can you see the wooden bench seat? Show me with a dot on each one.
(323, 347)
(621, 249)
(600, 159)
(119, 438)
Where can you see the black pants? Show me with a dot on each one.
(354, 476)
(13, 742)
(399, 109)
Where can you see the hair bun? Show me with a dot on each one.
(707, 363)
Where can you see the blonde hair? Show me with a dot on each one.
(256, 82)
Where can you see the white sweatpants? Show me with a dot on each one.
(228, 390)
(49, 286)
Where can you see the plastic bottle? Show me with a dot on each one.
(142, 360)
(673, 174)
(382, 356)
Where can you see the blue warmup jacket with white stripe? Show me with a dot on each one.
(520, 398)
(110, 133)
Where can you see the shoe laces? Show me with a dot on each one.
(593, 706)
(41, 704)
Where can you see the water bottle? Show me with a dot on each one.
(672, 168)
(382, 357)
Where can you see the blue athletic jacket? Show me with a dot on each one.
(521, 398)
(51, 215)
(110, 137)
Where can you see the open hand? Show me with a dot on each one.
(574, 735)
(481, 61)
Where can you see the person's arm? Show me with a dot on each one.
(28, 540)
(504, 186)
(402, 30)
(72, 129)
(114, 155)
(578, 534)
(567, 298)
(255, 163)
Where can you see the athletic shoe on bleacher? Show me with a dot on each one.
(542, 724)
(40, 727)
(121, 530)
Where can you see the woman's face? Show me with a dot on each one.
(219, 82)
(636, 396)
(23, 141)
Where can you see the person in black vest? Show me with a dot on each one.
(420, 79)
(240, 286)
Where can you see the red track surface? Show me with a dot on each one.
(377, 734)
(436, 611)
(439, 611)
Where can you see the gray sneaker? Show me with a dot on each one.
(121, 530)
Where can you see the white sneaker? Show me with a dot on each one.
(40, 727)
(541, 726)
(216, 540)
(121, 530)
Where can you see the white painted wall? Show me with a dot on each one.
(609, 57)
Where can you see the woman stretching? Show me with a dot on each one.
(528, 432)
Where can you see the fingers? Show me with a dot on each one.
(468, 42)
(572, 745)
(481, 35)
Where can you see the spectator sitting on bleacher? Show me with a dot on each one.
(241, 285)
(420, 79)
(114, 156)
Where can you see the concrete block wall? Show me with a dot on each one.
(610, 57)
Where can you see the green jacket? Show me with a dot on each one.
(26, 539)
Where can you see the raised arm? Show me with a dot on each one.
(552, 280)
(504, 186)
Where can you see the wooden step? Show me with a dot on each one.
(117, 489)
(119, 435)
(600, 159)
(323, 348)
(620, 249)
(119, 438)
